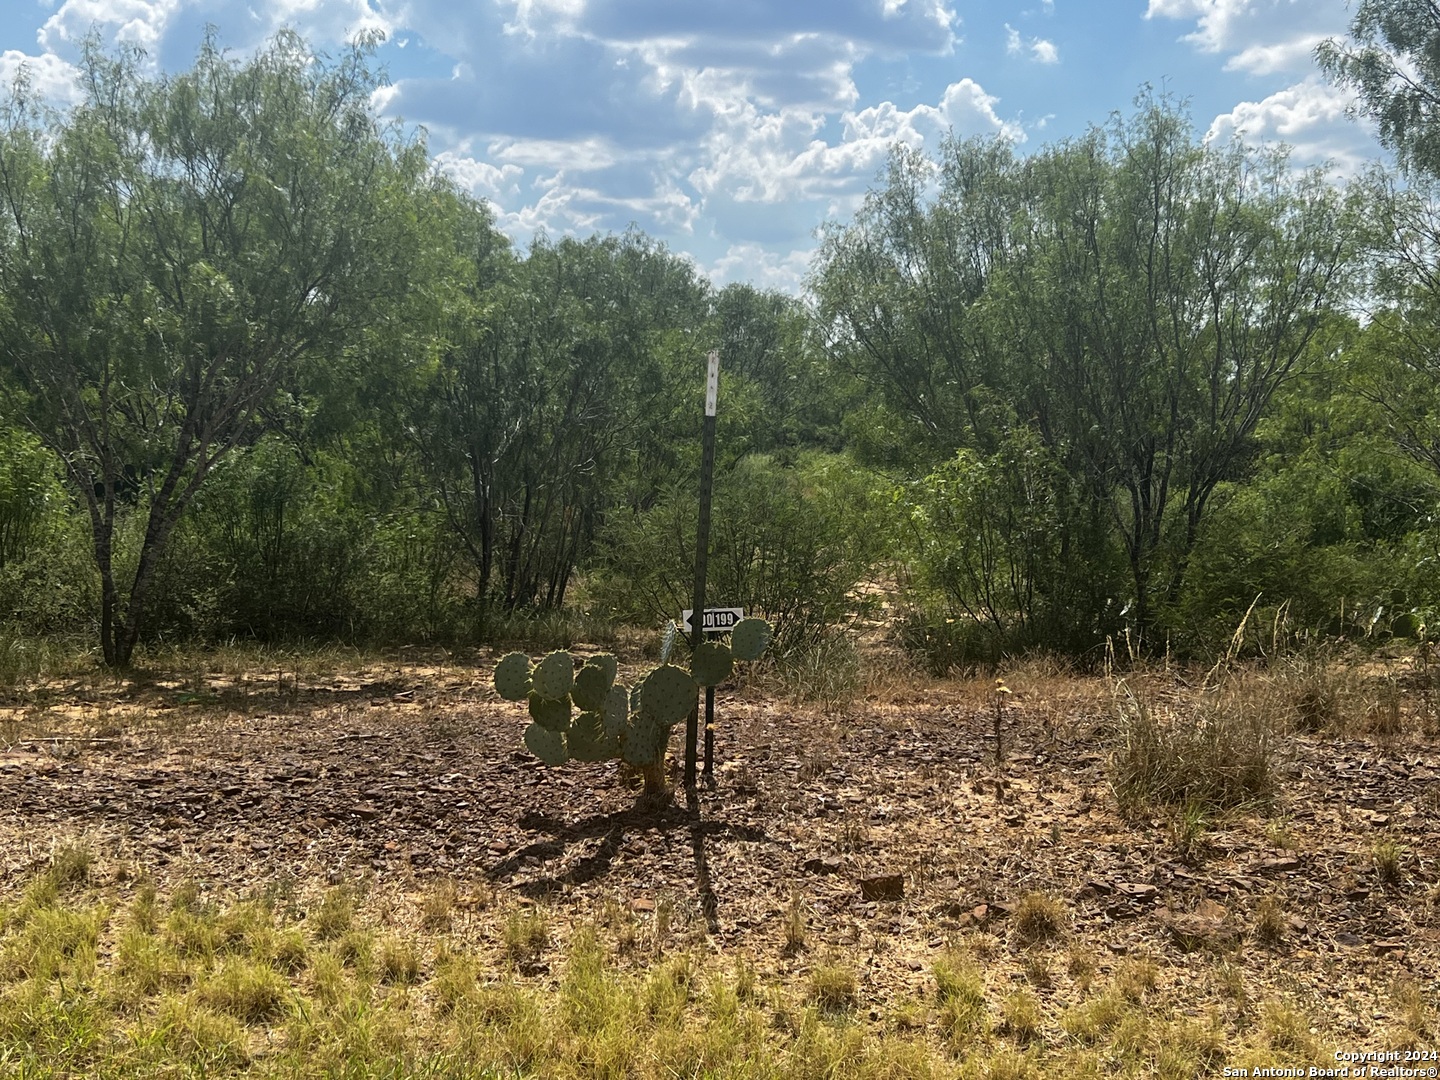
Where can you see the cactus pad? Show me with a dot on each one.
(711, 665)
(512, 677)
(617, 710)
(667, 641)
(587, 739)
(1407, 625)
(553, 675)
(548, 746)
(606, 663)
(644, 742)
(749, 638)
(590, 687)
(668, 694)
(550, 714)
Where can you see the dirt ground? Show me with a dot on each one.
(876, 830)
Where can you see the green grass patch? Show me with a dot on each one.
(101, 983)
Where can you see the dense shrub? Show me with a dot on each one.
(1002, 555)
(790, 544)
(1318, 547)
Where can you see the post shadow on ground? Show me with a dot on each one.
(612, 829)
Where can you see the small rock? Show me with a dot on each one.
(642, 904)
(828, 865)
(1389, 948)
(1209, 909)
(1279, 866)
(1348, 939)
(1136, 890)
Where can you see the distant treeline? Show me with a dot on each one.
(265, 374)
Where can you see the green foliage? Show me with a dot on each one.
(1331, 535)
(549, 370)
(1133, 298)
(177, 251)
(31, 498)
(1081, 367)
(1393, 63)
(789, 542)
(1004, 555)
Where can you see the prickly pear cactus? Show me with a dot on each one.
(644, 740)
(667, 694)
(613, 721)
(749, 638)
(550, 714)
(616, 713)
(590, 687)
(512, 677)
(547, 745)
(587, 739)
(712, 663)
(608, 665)
(553, 676)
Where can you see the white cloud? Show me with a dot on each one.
(51, 78)
(135, 22)
(761, 267)
(774, 157)
(173, 26)
(1310, 117)
(1291, 55)
(1262, 36)
(480, 177)
(568, 207)
(578, 155)
(1040, 50)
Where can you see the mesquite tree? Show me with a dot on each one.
(174, 251)
(1132, 299)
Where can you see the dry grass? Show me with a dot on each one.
(833, 986)
(1038, 918)
(1270, 921)
(526, 935)
(198, 983)
(104, 974)
(1208, 751)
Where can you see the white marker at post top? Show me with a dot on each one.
(712, 382)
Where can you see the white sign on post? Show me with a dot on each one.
(712, 382)
(717, 620)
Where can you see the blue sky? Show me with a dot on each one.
(731, 129)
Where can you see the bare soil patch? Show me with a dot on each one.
(884, 831)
